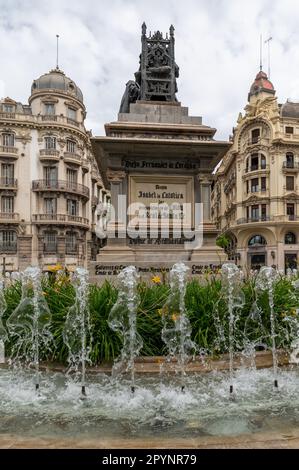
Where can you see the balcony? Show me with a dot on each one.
(253, 220)
(257, 189)
(70, 157)
(8, 183)
(290, 167)
(61, 120)
(96, 177)
(9, 217)
(7, 116)
(258, 141)
(61, 186)
(8, 248)
(94, 202)
(64, 219)
(49, 155)
(261, 168)
(10, 152)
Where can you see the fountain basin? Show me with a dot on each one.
(157, 415)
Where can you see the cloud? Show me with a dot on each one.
(217, 50)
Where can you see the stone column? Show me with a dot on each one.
(205, 182)
(116, 251)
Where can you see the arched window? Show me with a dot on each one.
(255, 135)
(290, 238)
(263, 162)
(257, 240)
(8, 139)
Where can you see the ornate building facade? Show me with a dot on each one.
(50, 184)
(255, 199)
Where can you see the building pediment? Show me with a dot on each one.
(291, 195)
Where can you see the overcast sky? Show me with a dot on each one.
(217, 50)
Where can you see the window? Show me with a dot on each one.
(71, 244)
(50, 142)
(290, 238)
(8, 140)
(49, 109)
(263, 162)
(254, 162)
(50, 175)
(254, 185)
(7, 204)
(290, 183)
(7, 173)
(72, 207)
(255, 135)
(263, 212)
(50, 242)
(289, 160)
(263, 184)
(71, 176)
(291, 211)
(247, 186)
(8, 108)
(70, 146)
(289, 130)
(8, 240)
(257, 240)
(50, 205)
(71, 113)
(255, 212)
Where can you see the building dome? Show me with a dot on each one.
(260, 84)
(57, 80)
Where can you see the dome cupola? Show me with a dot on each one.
(261, 84)
(56, 80)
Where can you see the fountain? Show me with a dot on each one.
(231, 285)
(77, 332)
(122, 319)
(176, 331)
(157, 413)
(29, 323)
(265, 282)
(255, 334)
(3, 332)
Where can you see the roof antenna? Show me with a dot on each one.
(57, 50)
(268, 42)
(261, 53)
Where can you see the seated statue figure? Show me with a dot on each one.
(131, 94)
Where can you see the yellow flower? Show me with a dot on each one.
(175, 316)
(156, 280)
(56, 268)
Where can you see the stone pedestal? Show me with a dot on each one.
(158, 154)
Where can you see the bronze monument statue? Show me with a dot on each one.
(156, 77)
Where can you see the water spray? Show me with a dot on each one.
(123, 318)
(265, 282)
(231, 285)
